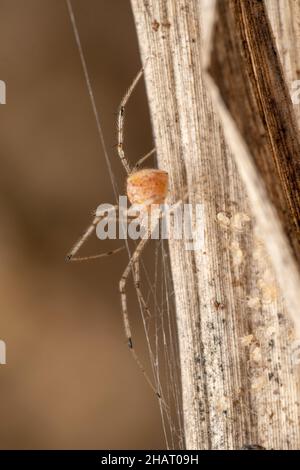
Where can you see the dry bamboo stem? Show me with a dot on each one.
(256, 111)
(284, 16)
(237, 380)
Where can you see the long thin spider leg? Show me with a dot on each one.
(121, 116)
(122, 286)
(142, 159)
(143, 304)
(87, 234)
(100, 255)
(90, 92)
(137, 284)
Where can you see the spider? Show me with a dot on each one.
(145, 187)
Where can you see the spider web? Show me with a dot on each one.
(161, 334)
(159, 320)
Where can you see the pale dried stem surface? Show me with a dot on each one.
(239, 386)
(284, 16)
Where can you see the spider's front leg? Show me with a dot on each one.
(86, 235)
(137, 285)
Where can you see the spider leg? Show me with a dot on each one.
(86, 235)
(175, 206)
(137, 285)
(142, 159)
(121, 116)
(122, 287)
(100, 255)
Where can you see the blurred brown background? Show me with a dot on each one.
(70, 381)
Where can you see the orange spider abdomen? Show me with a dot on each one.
(147, 186)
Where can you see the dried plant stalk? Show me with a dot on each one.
(285, 20)
(237, 378)
(256, 110)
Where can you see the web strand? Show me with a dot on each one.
(91, 95)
